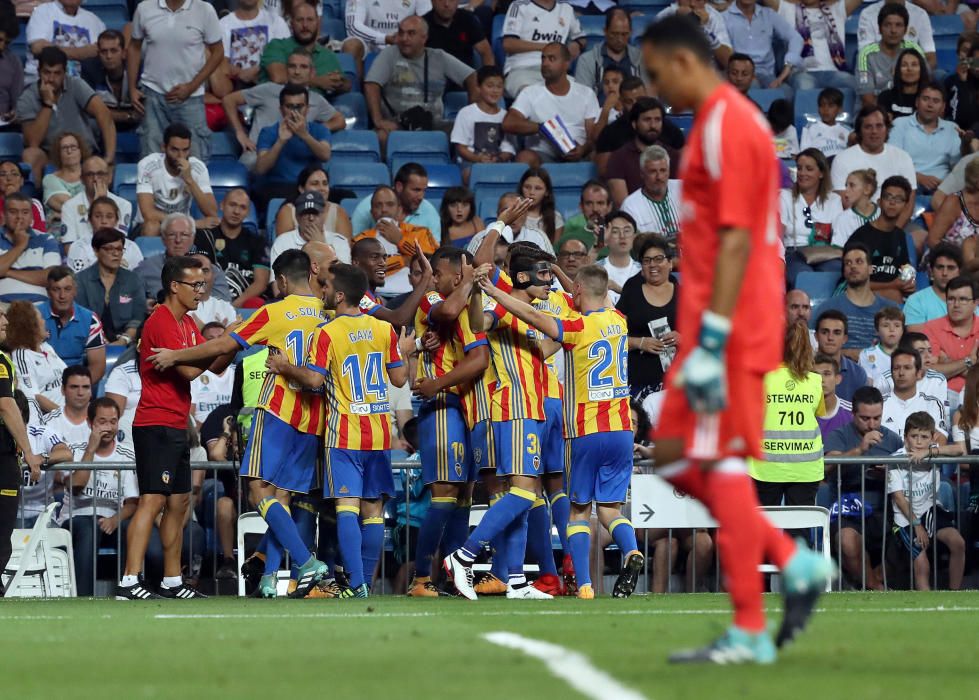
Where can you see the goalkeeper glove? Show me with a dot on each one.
(703, 374)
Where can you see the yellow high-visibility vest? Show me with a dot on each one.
(792, 446)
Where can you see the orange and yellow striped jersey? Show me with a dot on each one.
(518, 366)
(288, 326)
(596, 387)
(455, 341)
(354, 354)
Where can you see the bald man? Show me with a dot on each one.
(798, 308)
(321, 256)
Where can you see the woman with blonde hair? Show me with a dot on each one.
(792, 464)
(861, 208)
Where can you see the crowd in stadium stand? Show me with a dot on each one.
(375, 132)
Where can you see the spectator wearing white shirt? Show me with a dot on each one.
(211, 309)
(373, 24)
(822, 26)
(124, 386)
(96, 178)
(51, 447)
(711, 22)
(906, 398)
(310, 210)
(620, 234)
(71, 420)
(531, 25)
(557, 96)
(807, 213)
(210, 390)
(93, 503)
(919, 28)
(827, 134)
(102, 213)
(170, 181)
(65, 24)
(477, 132)
(183, 48)
(244, 34)
(655, 207)
(38, 368)
(25, 254)
(516, 231)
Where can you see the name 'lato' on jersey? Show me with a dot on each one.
(596, 388)
(287, 325)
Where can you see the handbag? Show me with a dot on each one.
(417, 118)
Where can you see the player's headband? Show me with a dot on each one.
(533, 274)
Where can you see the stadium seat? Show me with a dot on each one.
(441, 176)
(763, 97)
(333, 8)
(333, 28)
(594, 28)
(567, 203)
(496, 39)
(362, 178)
(349, 68)
(115, 17)
(224, 146)
(946, 25)
(124, 182)
(349, 204)
(427, 146)
(11, 146)
(150, 245)
(639, 24)
(568, 178)
(683, 122)
(495, 178)
(127, 147)
(359, 145)
(452, 102)
(486, 205)
(818, 285)
(353, 106)
(226, 175)
(270, 214)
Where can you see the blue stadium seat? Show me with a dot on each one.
(333, 28)
(818, 285)
(441, 176)
(224, 146)
(567, 203)
(452, 102)
(149, 245)
(502, 174)
(639, 24)
(947, 25)
(568, 178)
(427, 146)
(349, 204)
(115, 16)
(349, 68)
(362, 178)
(369, 61)
(594, 28)
(124, 182)
(270, 214)
(355, 146)
(112, 353)
(649, 7)
(127, 147)
(486, 205)
(683, 121)
(352, 106)
(807, 107)
(246, 313)
(333, 8)
(496, 39)
(226, 175)
(764, 97)
(11, 146)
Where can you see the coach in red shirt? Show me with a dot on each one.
(160, 433)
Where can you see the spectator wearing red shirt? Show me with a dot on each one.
(955, 336)
(160, 433)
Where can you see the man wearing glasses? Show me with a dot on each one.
(955, 337)
(620, 233)
(889, 243)
(96, 178)
(655, 206)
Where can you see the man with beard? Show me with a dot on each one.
(328, 77)
(594, 206)
(624, 172)
(655, 205)
(944, 264)
(368, 255)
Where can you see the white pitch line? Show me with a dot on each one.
(570, 666)
(521, 613)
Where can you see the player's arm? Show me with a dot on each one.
(404, 315)
(484, 254)
(448, 311)
(473, 364)
(200, 357)
(309, 377)
(546, 324)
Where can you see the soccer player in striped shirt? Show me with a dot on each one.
(280, 457)
(354, 358)
(443, 378)
(596, 418)
(518, 354)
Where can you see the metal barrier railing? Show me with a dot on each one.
(834, 470)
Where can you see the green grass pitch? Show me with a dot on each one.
(859, 646)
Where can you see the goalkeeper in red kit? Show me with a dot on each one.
(731, 301)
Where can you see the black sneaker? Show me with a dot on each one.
(625, 584)
(135, 592)
(182, 591)
(226, 570)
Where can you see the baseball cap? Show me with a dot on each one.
(310, 201)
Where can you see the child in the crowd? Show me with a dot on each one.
(828, 135)
(917, 517)
(860, 206)
(478, 130)
(612, 79)
(838, 412)
(875, 360)
(459, 220)
(786, 137)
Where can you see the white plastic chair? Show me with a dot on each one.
(42, 561)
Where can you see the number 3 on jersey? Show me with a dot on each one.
(366, 381)
(605, 381)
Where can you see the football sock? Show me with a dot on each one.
(304, 515)
(515, 503)
(734, 504)
(285, 531)
(431, 532)
(372, 540)
(560, 514)
(499, 567)
(262, 544)
(579, 542)
(172, 581)
(457, 529)
(624, 535)
(273, 556)
(129, 580)
(516, 547)
(539, 537)
(351, 548)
